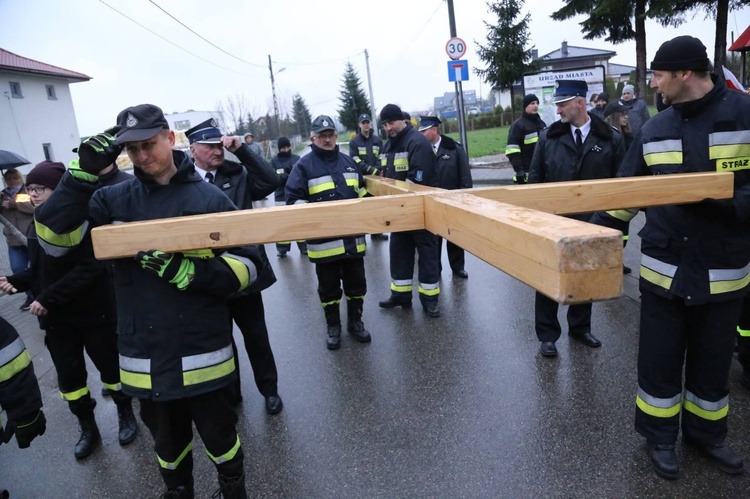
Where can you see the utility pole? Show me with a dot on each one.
(273, 92)
(372, 99)
(459, 87)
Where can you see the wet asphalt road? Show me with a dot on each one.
(460, 406)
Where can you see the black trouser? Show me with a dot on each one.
(743, 336)
(546, 323)
(349, 271)
(171, 426)
(249, 315)
(402, 246)
(456, 256)
(701, 338)
(287, 246)
(66, 347)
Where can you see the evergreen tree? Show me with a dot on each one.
(505, 54)
(301, 116)
(353, 99)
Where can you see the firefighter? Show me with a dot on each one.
(522, 138)
(327, 175)
(694, 268)
(365, 149)
(408, 155)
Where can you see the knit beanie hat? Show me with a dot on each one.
(528, 99)
(603, 96)
(683, 52)
(283, 142)
(628, 89)
(46, 173)
(391, 112)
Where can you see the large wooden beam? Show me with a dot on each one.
(379, 186)
(264, 225)
(567, 260)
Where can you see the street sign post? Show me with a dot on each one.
(455, 48)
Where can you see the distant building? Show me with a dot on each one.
(37, 119)
(179, 122)
(447, 104)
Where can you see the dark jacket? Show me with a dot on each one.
(556, 157)
(321, 176)
(282, 163)
(173, 344)
(409, 156)
(243, 183)
(698, 252)
(522, 138)
(365, 151)
(452, 164)
(19, 389)
(637, 113)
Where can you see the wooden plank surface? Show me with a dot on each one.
(380, 186)
(566, 198)
(373, 215)
(567, 260)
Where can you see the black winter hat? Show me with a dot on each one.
(683, 52)
(283, 142)
(391, 112)
(615, 107)
(46, 173)
(528, 99)
(603, 96)
(140, 123)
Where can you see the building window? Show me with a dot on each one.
(51, 95)
(48, 155)
(15, 90)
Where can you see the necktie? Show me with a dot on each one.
(579, 141)
(434, 150)
(209, 177)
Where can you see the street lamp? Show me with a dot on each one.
(273, 92)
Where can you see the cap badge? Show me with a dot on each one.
(557, 84)
(325, 122)
(131, 121)
(214, 123)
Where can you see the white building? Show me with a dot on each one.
(37, 119)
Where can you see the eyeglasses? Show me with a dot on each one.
(36, 190)
(326, 136)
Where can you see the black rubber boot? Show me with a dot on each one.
(333, 321)
(90, 437)
(128, 424)
(354, 324)
(231, 487)
(181, 492)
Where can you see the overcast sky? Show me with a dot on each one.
(312, 41)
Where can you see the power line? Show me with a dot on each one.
(203, 38)
(319, 62)
(174, 44)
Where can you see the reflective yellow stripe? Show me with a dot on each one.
(531, 138)
(656, 278)
(239, 268)
(203, 254)
(115, 388)
(658, 407)
(725, 145)
(208, 373)
(228, 456)
(353, 183)
(59, 244)
(657, 272)
(745, 333)
(173, 465)
(357, 159)
(71, 396)
(429, 289)
(512, 149)
(399, 287)
(712, 411)
(728, 280)
(136, 380)
(329, 303)
(663, 152)
(664, 158)
(17, 364)
(361, 297)
(624, 215)
(331, 248)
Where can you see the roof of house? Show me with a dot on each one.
(15, 63)
(620, 69)
(743, 42)
(576, 52)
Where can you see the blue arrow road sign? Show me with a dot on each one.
(458, 70)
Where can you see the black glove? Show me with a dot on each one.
(98, 152)
(26, 429)
(519, 178)
(173, 267)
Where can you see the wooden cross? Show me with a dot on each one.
(516, 228)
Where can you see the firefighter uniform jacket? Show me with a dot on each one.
(173, 344)
(452, 165)
(327, 176)
(522, 138)
(698, 252)
(409, 156)
(19, 390)
(243, 183)
(365, 151)
(282, 164)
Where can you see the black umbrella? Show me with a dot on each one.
(11, 160)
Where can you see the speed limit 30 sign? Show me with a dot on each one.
(455, 48)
